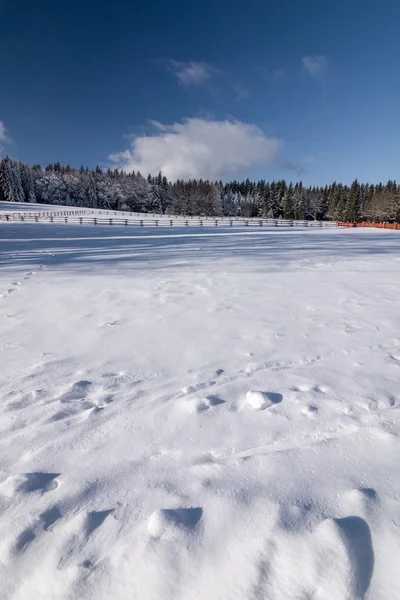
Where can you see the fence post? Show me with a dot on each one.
(156, 223)
(110, 221)
(7, 218)
(260, 223)
(80, 220)
(141, 223)
(187, 223)
(171, 222)
(201, 223)
(216, 223)
(36, 219)
(51, 219)
(66, 219)
(126, 222)
(276, 223)
(95, 221)
(231, 223)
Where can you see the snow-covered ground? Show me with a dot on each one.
(17, 207)
(190, 415)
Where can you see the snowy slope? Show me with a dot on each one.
(17, 207)
(134, 461)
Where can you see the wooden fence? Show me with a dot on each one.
(118, 218)
(375, 225)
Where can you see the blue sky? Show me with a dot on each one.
(273, 89)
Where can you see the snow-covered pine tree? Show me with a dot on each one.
(27, 181)
(6, 180)
(352, 210)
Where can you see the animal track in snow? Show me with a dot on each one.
(191, 389)
(306, 388)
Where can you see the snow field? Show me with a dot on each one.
(189, 415)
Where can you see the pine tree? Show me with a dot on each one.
(6, 180)
(353, 205)
(27, 181)
(288, 203)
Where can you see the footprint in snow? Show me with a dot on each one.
(76, 400)
(199, 405)
(86, 539)
(45, 523)
(40, 482)
(29, 275)
(311, 411)
(346, 558)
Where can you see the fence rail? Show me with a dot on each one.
(85, 218)
(374, 225)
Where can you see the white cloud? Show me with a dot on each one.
(218, 82)
(198, 148)
(315, 65)
(4, 138)
(191, 73)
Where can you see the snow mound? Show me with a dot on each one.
(262, 400)
(167, 519)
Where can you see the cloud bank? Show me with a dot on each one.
(197, 148)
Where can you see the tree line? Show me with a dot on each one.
(114, 189)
